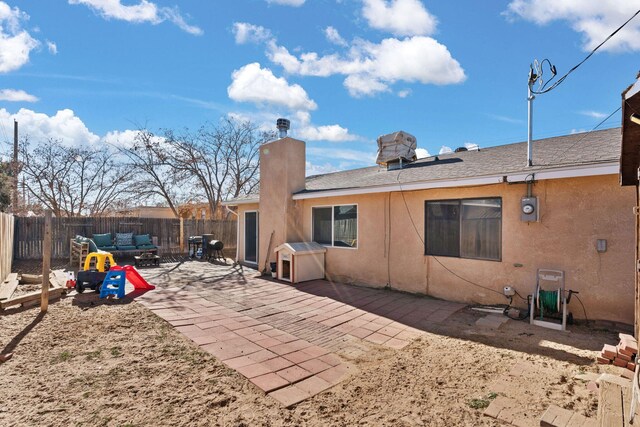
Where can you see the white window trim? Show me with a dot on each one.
(244, 236)
(332, 225)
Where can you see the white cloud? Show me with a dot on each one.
(64, 126)
(294, 3)
(258, 85)
(334, 36)
(400, 17)
(126, 138)
(316, 169)
(249, 33)
(595, 20)
(145, 11)
(305, 130)
(404, 93)
(594, 114)
(371, 67)
(422, 153)
(15, 95)
(445, 150)
(15, 43)
(53, 48)
(471, 146)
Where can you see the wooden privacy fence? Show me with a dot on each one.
(6, 244)
(164, 232)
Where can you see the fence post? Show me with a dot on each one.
(46, 262)
(181, 235)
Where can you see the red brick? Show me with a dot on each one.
(316, 351)
(631, 366)
(621, 350)
(269, 382)
(254, 370)
(277, 363)
(294, 374)
(603, 361)
(298, 357)
(377, 338)
(262, 355)
(238, 362)
(609, 352)
(396, 343)
(331, 359)
(289, 396)
(313, 385)
(333, 375)
(315, 365)
(624, 357)
(620, 362)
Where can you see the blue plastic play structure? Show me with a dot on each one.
(114, 284)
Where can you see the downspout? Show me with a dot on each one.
(237, 231)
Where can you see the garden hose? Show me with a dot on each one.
(548, 301)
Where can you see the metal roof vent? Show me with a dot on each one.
(396, 148)
(283, 126)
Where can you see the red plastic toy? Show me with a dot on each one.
(133, 277)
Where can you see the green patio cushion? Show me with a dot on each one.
(102, 239)
(147, 247)
(142, 239)
(125, 247)
(107, 248)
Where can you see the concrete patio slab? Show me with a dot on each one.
(287, 340)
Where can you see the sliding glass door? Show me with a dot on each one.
(251, 236)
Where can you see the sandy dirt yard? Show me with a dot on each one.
(89, 362)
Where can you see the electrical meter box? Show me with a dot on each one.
(529, 209)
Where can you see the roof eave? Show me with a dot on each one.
(603, 168)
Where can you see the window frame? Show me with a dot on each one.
(332, 245)
(426, 219)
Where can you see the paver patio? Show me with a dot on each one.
(285, 339)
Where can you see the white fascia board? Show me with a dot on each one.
(463, 182)
(241, 202)
(590, 170)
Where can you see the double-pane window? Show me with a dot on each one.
(335, 225)
(469, 228)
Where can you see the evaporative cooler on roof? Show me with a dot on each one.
(396, 147)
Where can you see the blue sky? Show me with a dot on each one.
(343, 71)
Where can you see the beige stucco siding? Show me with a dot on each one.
(574, 214)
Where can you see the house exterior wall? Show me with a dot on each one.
(574, 213)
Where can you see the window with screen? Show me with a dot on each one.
(468, 228)
(335, 225)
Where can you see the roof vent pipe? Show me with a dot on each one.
(283, 126)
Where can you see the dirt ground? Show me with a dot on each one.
(89, 362)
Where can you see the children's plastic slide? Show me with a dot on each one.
(134, 277)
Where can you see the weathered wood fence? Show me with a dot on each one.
(6, 244)
(165, 233)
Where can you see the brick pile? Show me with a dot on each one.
(622, 355)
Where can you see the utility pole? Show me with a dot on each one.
(530, 98)
(16, 170)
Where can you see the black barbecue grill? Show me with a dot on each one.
(209, 247)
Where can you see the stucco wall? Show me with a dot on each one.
(574, 214)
